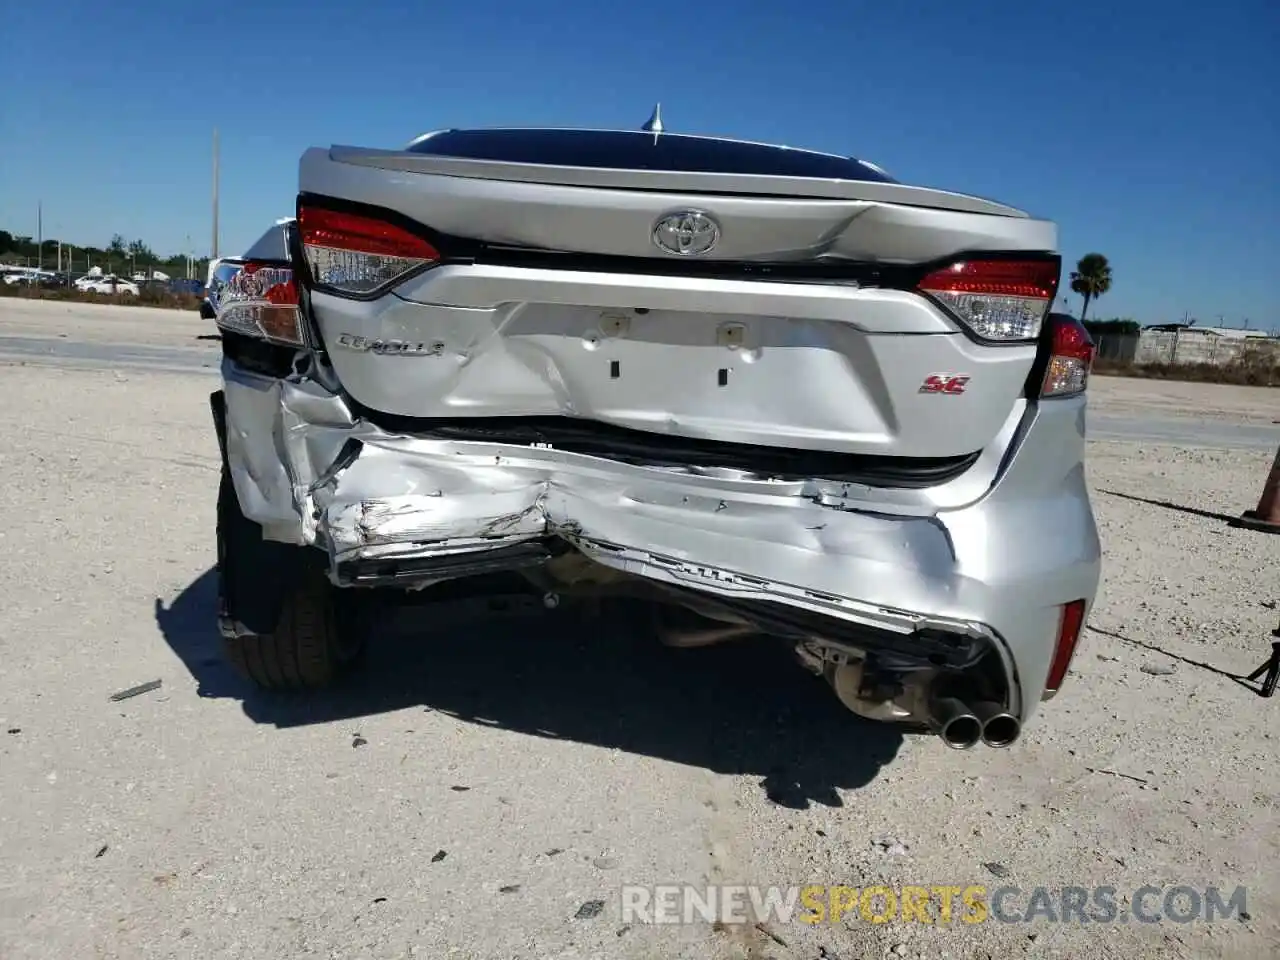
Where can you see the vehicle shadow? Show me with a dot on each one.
(1169, 505)
(740, 708)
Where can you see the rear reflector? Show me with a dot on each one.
(1071, 358)
(358, 255)
(1069, 628)
(999, 300)
(258, 300)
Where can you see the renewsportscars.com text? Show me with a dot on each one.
(976, 903)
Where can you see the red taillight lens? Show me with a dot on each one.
(358, 255)
(1000, 300)
(1069, 628)
(258, 300)
(1071, 358)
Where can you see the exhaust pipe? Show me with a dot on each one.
(960, 725)
(704, 637)
(846, 680)
(955, 723)
(678, 625)
(1000, 728)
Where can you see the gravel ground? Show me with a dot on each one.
(1119, 396)
(474, 789)
(102, 322)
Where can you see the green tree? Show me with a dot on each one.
(1091, 279)
(117, 254)
(140, 255)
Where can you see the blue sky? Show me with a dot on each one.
(1149, 131)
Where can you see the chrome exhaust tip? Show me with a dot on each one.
(955, 723)
(1000, 728)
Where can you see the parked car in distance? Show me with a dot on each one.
(111, 284)
(31, 277)
(191, 286)
(759, 393)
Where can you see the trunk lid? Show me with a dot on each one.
(773, 204)
(795, 330)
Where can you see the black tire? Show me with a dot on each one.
(285, 627)
(303, 652)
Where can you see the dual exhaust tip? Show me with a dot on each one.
(962, 725)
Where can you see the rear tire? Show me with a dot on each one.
(305, 651)
(284, 626)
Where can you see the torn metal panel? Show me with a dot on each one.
(311, 473)
(414, 524)
(405, 497)
(256, 451)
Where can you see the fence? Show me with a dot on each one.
(1116, 347)
(1180, 347)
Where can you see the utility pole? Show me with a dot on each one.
(215, 193)
(40, 234)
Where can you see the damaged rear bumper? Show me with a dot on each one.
(993, 554)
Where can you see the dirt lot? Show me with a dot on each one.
(476, 790)
(1121, 396)
(102, 323)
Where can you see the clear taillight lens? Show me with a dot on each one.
(257, 300)
(999, 300)
(358, 255)
(1071, 358)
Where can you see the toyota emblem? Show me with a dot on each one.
(686, 233)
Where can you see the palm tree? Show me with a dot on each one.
(1091, 278)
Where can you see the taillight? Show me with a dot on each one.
(358, 255)
(999, 300)
(258, 300)
(1071, 357)
(1069, 628)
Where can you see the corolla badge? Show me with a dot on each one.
(390, 348)
(686, 233)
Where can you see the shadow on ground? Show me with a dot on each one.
(1243, 680)
(1169, 505)
(739, 708)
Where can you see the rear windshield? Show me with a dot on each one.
(628, 150)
